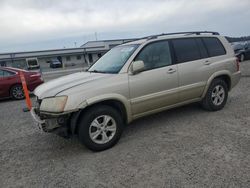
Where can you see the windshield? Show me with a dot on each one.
(113, 61)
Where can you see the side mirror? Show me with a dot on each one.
(137, 66)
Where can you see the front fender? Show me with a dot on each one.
(116, 97)
(97, 99)
(105, 97)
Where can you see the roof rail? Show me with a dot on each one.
(182, 33)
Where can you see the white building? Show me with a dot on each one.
(84, 56)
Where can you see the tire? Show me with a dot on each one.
(216, 96)
(242, 57)
(16, 92)
(92, 128)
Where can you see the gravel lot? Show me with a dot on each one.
(183, 147)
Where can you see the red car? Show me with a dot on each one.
(10, 82)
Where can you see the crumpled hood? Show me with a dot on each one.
(56, 86)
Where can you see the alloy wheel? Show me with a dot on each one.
(17, 92)
(102, 129)
(218, 95)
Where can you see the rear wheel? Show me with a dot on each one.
(100, 128)
(216, 96)
(16, 92)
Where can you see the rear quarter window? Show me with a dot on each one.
(214, 46)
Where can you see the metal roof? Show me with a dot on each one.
(49, 53)
(89, 47)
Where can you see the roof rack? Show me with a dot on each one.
(182, 33)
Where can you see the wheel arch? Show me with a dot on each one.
(224, 75)
(122, 107)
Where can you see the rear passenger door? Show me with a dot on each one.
(193, 67)
(217, 54)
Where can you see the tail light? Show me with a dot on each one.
(238, 64)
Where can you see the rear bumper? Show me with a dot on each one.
(235, 79)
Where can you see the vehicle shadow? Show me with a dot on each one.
(155, 120)
(165, 120)
(139, 126)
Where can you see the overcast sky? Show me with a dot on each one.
(49, 24)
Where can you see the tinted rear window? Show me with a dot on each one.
(202, 48)
(186, 50)
(214, 47)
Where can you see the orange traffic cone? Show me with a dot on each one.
(26, 92)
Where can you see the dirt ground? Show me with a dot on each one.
(183, 147)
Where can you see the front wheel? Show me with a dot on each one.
(100, 128)
(216, 96)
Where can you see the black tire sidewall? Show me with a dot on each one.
(89, 116)
(210, 105)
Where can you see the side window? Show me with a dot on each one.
(186, 50)
(155, 55)
(7, 73)
(202, 48)
(214, 46)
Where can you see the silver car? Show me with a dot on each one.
(134, 80)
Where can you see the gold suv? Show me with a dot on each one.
(138, 79)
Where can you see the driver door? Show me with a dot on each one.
(157, 86)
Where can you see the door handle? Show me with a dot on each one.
(170, 71)
(207, 62)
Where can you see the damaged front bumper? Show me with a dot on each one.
(57, 124)
(36, 118)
